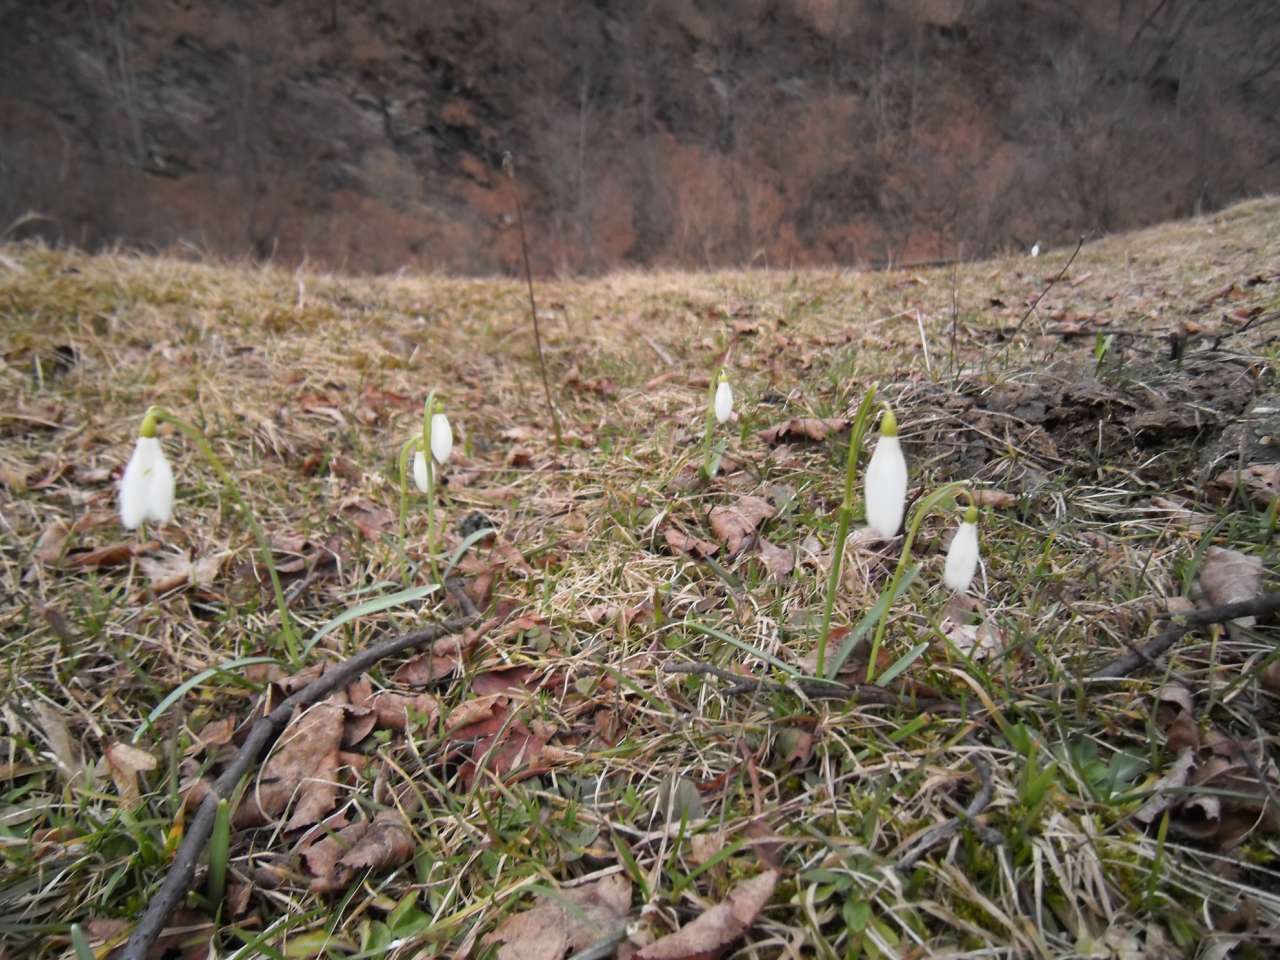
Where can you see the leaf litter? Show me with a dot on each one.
(532, 752)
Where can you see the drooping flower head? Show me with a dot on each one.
(441, 436)
(724, 399)
(146, 489)
(962, 555)
(420, 468)
(886, 480)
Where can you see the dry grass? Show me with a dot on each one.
(307, 384)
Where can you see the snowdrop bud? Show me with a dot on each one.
(962, 555)
(1035, 249)
(724, 400)
(441, 438)
(420, 470)
(886, 480)
(146, 490)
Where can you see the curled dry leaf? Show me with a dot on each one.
(1164, 790)
(712, 933)
(1260, 480)
(736, 525)
(304, 763)
(779, 561)
(996, 499)
(114, 554)
(1229, 576)
(173, 570)
(335, 860)
(567, 921)
(681, 542)
(975, 640)
(802, 428)
(442, 660)
(126, 762)
(52, 542)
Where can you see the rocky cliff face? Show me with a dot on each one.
(368, 134)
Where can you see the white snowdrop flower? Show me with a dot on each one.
(441, 438)
(420, 470)
(886, 480)
(1035, 249)
(962, 555)
(146, 489)
(724, 400)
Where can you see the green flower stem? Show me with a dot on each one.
(710, 426)
(428, 409)
(196, 436)
(918, 515)
(845, 515)
(406, 453)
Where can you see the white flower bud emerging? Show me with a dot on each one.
(724, 400)
(441, 438)
(420, 470)
(886, 481)
(146, 490)
(962, 555)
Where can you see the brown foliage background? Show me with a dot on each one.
(368, 135)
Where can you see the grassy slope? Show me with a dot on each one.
(292, 376)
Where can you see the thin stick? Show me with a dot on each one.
(1043, 293)
(263, 734)
(509, 166)
(936, 836)
(810, 686)
(1260, 606)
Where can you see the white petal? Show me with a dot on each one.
(724, 401)
(420, 470)
(441, 438)
(962, 558)
(160, 489)
(886, 487)
(146, 489)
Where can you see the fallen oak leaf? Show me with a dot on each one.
(383, 844)
(736, 525)
(567, 920)
(712, 933)
(778, 561)
(113, 554)
(802, 428)
(1229, 576)
(681, 542)
(305, 763)
(126, 762)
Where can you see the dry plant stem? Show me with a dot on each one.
(263, 734)
(842, 527)
(510, 167)
(196, 436)
(1043, 293)
(1261, 606)
(810, 687)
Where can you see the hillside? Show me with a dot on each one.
(630, 722)
(369, 136)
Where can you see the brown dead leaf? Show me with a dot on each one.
(304, 763)
(711, 934)
(1164, 790)
(114, 554)
(567, 921)
(370, 519)
(681, 542)
(392, 710)
(477, 717)
(996, 499)
(443, 659)
(1228, 576)
(736, 525)
(126, 762)
(802, 428)
(173, 570)
(52, 542)
(1260, 480)
(778, 561)
(384, 844)
(974, 640)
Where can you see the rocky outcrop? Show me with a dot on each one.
(369, 135)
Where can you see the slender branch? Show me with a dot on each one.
(1043, 293)
(262, 735)
(1260, 606)
(809, 686)
(510, 168)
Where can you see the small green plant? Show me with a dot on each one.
(719, 410)
(429, 450)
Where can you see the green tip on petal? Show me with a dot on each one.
(971, 514)
(149, 419)
(723, 376)
(888, 423)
